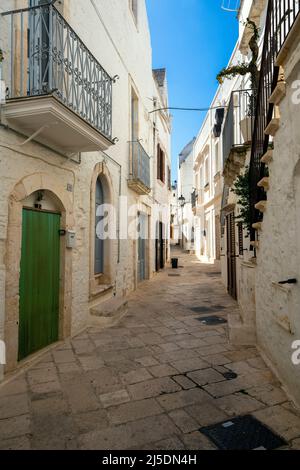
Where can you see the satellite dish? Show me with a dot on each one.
(230, 5)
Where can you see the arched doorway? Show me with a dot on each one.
(39, 274)
(103, 231)
(99, 229)
(44, 194)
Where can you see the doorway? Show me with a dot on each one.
(231, 255)
(160, 247)
(142, 247)
(39, 281)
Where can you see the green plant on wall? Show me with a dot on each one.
(241, 189)
(1, 56)
(245, 68)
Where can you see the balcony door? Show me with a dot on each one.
(45, 66)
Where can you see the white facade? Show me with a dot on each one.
(268, 276)
(118, 37)
(208, 171)
(185, 190)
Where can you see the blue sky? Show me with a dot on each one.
(194, 40)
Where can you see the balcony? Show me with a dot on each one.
(57, 92)
(237, 133)
(139, 176)
(194, 199)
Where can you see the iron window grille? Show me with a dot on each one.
(281, 16)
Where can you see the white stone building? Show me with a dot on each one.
(185, 195)
(76, 133)
(267, 275)
(208, 172)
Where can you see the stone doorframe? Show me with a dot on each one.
(107, 278)
(22, 190)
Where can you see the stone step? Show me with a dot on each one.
(267, 157)
(280, 89)
(261, 206)
(241, 333)
(274, 124)
(257, 226)
(264, 183)
(108, 313)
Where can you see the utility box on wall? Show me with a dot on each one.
(70, 239)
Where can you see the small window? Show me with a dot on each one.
(134, 9)
(99, 230)
(217, 162)
(160, 164)
(169, 179)
(206, 171)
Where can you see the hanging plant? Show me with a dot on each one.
(241, 189)
(1, 56)
(244, 68)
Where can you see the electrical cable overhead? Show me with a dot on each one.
(173, 108)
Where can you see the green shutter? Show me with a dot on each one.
(39, 281)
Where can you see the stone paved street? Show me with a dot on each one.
(148, 383)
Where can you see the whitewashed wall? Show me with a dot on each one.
(108, 29)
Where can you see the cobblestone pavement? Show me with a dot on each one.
(151, 381)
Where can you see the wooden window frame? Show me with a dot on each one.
(161, 164)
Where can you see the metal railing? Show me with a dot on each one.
(238, 125)
(281, 15)
(46, 57)
(140, 164)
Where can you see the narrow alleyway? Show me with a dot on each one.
(151, 382)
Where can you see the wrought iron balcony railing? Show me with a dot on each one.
(139, 176)
(238, 125)
(46, 57)
(281, 16)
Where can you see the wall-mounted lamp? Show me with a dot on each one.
(39, 199)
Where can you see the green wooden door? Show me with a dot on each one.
(39, 281)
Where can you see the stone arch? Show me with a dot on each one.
(99, 283)
(22, 190)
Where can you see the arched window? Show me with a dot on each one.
(99, 230)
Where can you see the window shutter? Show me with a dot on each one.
(99, 242)
(158, 162)
(163, 173)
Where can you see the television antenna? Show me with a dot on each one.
(230, 5)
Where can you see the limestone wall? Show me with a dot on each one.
(123, 48)
(278, 307)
